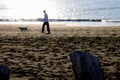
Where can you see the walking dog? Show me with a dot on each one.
(23, 29)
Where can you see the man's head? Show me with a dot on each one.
(44, 11)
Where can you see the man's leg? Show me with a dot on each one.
(43, 27)
(48, 28)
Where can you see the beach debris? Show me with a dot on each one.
(4, 73)
(117, 74)
(86, 66)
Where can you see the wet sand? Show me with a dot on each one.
(34, 55)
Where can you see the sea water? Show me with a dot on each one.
(107, 11)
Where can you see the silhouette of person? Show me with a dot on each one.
(46, 22)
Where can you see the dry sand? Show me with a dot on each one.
(33, 55)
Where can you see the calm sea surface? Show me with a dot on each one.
(60, 9)
(88, 9)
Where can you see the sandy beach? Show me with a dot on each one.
(34, 55)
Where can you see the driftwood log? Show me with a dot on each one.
(117, 74)
(86, 66)
(4, 73)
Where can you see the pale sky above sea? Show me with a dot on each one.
(27, 8)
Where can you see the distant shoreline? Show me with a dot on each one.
(53, 20)
(69, 23)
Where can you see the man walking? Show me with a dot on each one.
(46, 22)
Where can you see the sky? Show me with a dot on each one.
(28, 8)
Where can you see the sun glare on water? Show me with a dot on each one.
(27, 9)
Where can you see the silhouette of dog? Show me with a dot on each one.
(23, 29)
